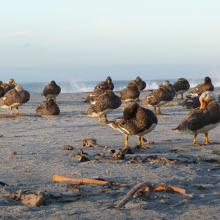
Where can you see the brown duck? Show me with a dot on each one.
(137, 121)
(203, 119)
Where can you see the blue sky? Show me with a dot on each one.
(70, 38)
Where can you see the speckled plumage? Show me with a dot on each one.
(204, 119)
(15, 97)
(203, 87)
(48, 108)
(104, 103)
(181, 85)
(136, 120)
(140, 83)
(158, 97)
(52, 90)
(130, 93)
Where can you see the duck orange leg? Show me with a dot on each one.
(126, 141)
(206, 140)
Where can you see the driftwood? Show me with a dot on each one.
(131, 193)
(85, 181)
(148, 187)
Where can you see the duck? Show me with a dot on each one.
(191, 102)
(202, 120)
(158, 97)
(99, 89)
(181, 86)
(131, 93)
(48, 107)
(192, 99)
(102, 105)
(9, 85)
(136, 120)
(51, 91)
(105, 85)
(14, 98)
(203, 87)
(141, 84)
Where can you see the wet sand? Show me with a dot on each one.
(31, 153)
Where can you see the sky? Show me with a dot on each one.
(89, 39)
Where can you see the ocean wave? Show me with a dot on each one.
(88, 86)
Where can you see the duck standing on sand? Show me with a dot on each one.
(140, 83)
(136, 121)
(48, 107)
(181, 86)
(14, 98)
(51, 91)
(158, 97)
(131, 93)
(203, 119)
(102, 105)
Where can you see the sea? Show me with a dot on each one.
(87, 86)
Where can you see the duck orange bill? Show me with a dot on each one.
(202, 104)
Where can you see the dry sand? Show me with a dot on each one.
(30, 154)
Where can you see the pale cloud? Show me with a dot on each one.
(14, 34)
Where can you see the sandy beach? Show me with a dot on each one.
(31, 153)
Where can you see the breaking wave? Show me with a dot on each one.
(87, 86)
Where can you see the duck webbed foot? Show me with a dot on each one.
(142, 143)
(126, 141)
(17, 111)
(206, 140)
(195, 143)
(105, 119)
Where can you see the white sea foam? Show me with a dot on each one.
(88, 86)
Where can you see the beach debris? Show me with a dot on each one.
(200, 186)
(86, 181)
(34, 199)
(155, 159)
(67, 147)
(177, 150)
(118, 155)
(73, 188)
(146, 187)
(81, 156)
(91, 142)
(216, 152)
(40, 198)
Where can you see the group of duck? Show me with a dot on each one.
(140, 116)
(12, 95)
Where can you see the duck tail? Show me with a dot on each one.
(176, 128)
